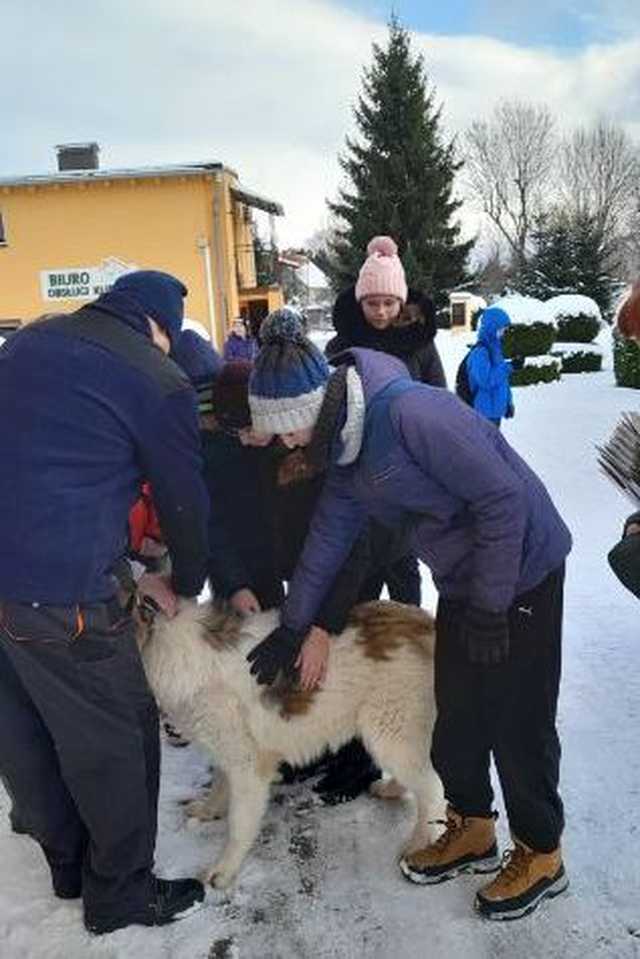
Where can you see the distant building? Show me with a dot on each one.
(306, 286)
(66, 236)
(462, 306)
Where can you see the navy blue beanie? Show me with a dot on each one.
(289, 377)
(155, 294)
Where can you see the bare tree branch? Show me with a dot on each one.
(599, 171)
(509, 160)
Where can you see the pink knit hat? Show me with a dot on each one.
(382, 273)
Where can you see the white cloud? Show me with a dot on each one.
(263, 85)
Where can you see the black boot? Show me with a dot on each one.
(173, 899)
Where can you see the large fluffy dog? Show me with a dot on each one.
(379, 686)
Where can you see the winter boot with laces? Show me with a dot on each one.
(525, 879)
(468, 844)
(171, 899)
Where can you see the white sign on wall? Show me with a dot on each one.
(82, 282)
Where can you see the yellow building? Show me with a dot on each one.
(65, 237)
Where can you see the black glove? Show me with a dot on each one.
(486, 636)
(278, 651)
(510, 411)
(517, 362)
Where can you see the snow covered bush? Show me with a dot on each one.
(537, 369)
(530, 335)
(626, 362)
(582, 361)
(578, 329)
(578, 321)
(533, 340)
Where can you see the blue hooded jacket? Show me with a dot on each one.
(487, 369)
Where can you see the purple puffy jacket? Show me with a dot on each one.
(480, 517)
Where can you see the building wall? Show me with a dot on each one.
(163, 223)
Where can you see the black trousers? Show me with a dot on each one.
(402, 579)
(79, 746)
(508, 711)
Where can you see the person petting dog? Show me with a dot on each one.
(262, 500)
(96, 408)
(410, 454)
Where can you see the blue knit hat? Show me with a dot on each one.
(158, 295)
(197, 357)
(289, 377)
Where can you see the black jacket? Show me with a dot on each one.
(411, 339)
(258, 528)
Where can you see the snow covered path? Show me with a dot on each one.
(322, 883)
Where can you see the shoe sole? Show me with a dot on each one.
(481, 866)
(555, 889)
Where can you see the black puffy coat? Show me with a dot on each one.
(411, 338)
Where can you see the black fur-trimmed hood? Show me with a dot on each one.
(414, 329)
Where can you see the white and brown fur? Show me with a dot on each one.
(379, 686)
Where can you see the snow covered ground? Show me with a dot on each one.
(323, 883)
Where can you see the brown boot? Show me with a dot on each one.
(468, 844)
(525, 879)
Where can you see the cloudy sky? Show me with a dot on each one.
(267, 86)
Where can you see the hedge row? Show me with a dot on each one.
(626, 362)
(531, 340)
(581, 362)
(578, 329)
(530, 375)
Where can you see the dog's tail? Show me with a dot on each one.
(384, 626)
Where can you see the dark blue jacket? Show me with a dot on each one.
(240, 348)
(90, 408)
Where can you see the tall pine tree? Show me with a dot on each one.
(400, 172)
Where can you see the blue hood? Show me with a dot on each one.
(491, 322)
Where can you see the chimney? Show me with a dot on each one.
(78, 156)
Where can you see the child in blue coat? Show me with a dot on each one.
(488, 371)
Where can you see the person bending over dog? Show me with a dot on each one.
(406, 453)
(262, 500)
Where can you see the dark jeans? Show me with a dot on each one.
(402, 579)
(79, 747)
(508, 711)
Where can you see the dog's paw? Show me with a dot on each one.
(219, 878)
(422, 838)
(199, 809)
(387, 789)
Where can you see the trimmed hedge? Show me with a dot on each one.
(530, 375)
(528, 340)
(626, 362)
(578, 329)
(581, 362)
